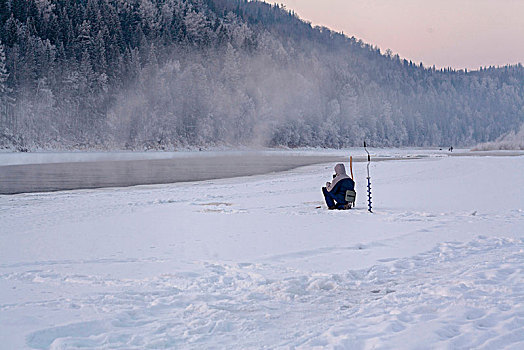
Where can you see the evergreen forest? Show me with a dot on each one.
(170, 74)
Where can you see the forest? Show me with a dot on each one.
(171, 74)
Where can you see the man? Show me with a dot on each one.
(335, 191)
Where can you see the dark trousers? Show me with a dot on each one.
(330, 199)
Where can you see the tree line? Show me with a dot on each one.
(165, 74)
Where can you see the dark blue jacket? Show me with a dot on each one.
(339, 191)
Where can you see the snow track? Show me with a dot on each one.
(459, 295)
(250, 263)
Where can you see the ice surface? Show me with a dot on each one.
(250, 262)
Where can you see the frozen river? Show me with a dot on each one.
(252, 262)
(45, 172)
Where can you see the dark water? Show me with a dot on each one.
(67, 176)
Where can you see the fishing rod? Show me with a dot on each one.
(351, 167)
(369, 179)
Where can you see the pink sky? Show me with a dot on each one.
(445, 33)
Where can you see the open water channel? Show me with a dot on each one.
(45, 177)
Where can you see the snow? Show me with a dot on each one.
(250, 262)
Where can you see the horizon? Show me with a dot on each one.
(427, 32)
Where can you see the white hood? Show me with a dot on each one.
(340, 171)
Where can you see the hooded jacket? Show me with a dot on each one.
(340, 184)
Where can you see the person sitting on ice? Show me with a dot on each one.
(335, 191)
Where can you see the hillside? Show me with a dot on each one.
(165, 74)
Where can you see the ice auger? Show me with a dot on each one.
(369, 179)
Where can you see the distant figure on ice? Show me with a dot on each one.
(335, 191)
(450, 149)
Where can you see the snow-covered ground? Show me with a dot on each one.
(251, 263)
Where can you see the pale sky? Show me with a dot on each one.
(445, 33)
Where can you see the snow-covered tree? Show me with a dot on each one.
(4, 89)
(3, 71)
(165, 73)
